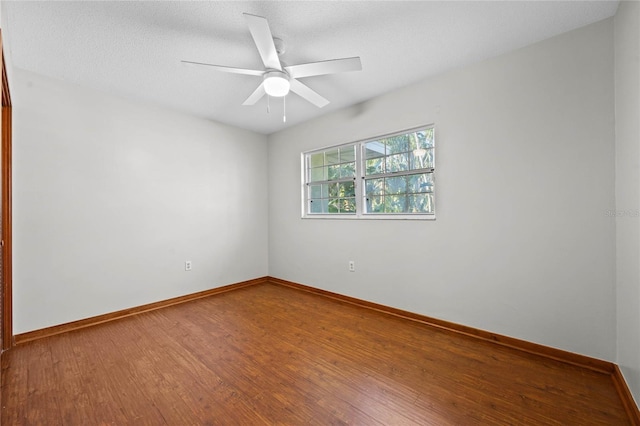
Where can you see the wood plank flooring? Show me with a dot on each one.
(268, 354)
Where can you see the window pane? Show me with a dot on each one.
(414, 141)
(347, 189)
(428, 137)
(375, 204)
(317, 160)
(398, 162)
(420, 183)
(374, 149)
(348, 154)
(395, 185)
(427, 160)
(418, 159)
(347, 205)
(421, 140)
(334, 172)
(334, 205)
(397, 144)
(375, 166)
(348, 170)
(318, 206)
(421, 146)
(374, 186)
(315, 191)
(319, 191)
(342, 205)
(395, 203)
(332, 156)
(318, 173)
(421, 203)
(334, 189)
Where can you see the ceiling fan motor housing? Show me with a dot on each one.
(276, 83)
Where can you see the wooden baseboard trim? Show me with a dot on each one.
(523, 345)
(112, 316)
(625, 395)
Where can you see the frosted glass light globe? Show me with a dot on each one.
(276, 84)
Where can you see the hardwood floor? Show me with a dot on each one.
(269, 354)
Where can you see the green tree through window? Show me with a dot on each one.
(390, 176)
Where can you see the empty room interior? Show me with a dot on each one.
(420, 212)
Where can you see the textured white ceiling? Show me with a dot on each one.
(133, 49)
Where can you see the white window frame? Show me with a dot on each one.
(359, 181)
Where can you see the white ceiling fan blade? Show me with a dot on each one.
(261, 34)
(332, 66)
(232, 70)
(255, 96)
(307, 93)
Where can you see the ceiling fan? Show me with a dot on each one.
(278, 79)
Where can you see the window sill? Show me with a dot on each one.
(371, 216)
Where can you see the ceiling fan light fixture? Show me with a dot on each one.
(276, 84)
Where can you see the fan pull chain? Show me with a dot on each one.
(268, 106)
(284, 109)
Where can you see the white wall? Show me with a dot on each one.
(111, 197)
(522, 244)
(627, 93)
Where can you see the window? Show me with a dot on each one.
(385, 177)
(331, 180)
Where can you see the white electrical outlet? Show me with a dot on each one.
(187, 265)
(352, 266)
